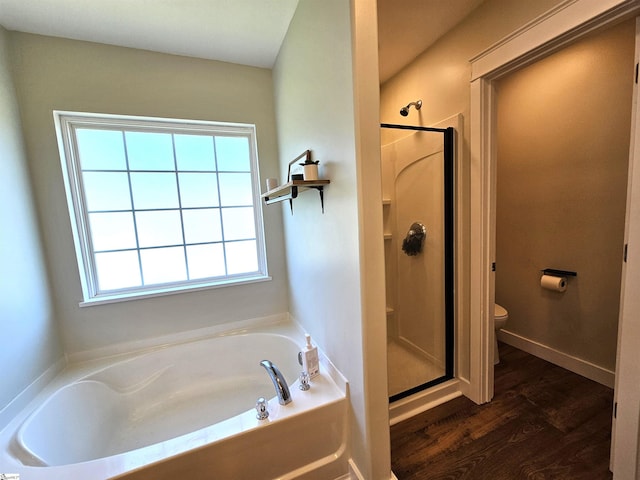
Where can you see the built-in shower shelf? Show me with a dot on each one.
(386, 202)
(290, 190)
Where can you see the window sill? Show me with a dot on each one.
(172, 290)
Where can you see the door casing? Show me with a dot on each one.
(566, 23)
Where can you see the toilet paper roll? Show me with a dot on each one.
(550, 282)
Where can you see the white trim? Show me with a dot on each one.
(354, 473)
(482, 245)
(567, 22)
(401, 410)
(23, 398)
(625, 443)
(460, 253)
(551, 30)
(124, 297)
(67, 123)
(574, 364)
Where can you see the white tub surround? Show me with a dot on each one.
(184, 407)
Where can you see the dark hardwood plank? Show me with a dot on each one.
(543, 423)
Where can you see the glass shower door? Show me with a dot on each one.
(418, 193)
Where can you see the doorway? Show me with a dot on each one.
(562, 155)
(542, 37)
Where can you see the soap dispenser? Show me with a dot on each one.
(310, 361)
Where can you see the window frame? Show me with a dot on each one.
(66, 123)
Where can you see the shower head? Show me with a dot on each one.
(404, 111)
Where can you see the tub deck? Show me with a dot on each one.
(181, 429)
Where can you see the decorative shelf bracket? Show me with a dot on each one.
(291, 190)
(295, 184)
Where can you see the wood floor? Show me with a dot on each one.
(543, 423)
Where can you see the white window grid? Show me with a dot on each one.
(67, 123)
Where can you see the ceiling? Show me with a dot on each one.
(248, 32)
(408, 27)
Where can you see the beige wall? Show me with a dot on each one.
(314, 94)
(440, 77)
(52, 73)
(563, 128)
(28, 330)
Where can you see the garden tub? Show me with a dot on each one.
(184, 410)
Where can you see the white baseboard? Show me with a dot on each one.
(354, 473)
(564, 360)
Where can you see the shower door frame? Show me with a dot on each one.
(448, 136)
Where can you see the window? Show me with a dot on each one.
(161, 205)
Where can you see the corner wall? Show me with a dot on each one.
(326, 253)
(30, 343)
(54, 73)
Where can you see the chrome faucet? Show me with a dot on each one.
(280, 384)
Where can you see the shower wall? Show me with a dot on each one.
(413, 182)
(563, 144)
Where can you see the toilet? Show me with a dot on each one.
(500, 317)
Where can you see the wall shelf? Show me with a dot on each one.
(291, 189)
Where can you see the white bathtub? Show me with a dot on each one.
(184, 411)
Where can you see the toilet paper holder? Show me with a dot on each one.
(559, 273)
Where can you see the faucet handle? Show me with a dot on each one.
(261, 408)
(304, 381)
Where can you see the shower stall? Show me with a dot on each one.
(418, 208)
